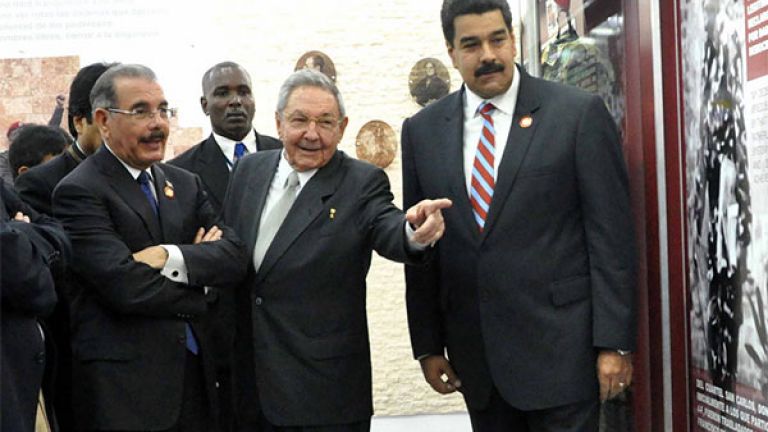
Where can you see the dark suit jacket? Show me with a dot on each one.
(36, 185)
(302, 331)
(526, 304)
(206, 160)
(127, 319)
(29, 256)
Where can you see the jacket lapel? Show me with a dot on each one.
(256, 197)
(450, 155)
(211, 165)
(169, 206)
(307, 207)
(129, 190)
(520, 137)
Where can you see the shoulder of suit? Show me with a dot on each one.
(268, 143)
(438, 108)
(185, 159)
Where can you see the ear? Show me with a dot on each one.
(22, 169)
(451, 52)
(101, 120)
(204, 104)
(79, 122)
(342, 127)
(279, 125)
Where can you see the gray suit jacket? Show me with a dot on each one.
(527, 304)
(302, 335)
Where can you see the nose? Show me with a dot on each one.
(311, 133)
(235, 100)
(488, 55)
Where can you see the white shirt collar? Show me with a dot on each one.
(284, 168)
(227, 145)
(504, 102)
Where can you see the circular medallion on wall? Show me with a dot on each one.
(429, 81)
(318, 61)
(376, 143)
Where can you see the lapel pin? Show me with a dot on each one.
(332, 213)
(168, 190)
(526, 121)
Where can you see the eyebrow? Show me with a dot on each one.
(145, 104)
(466, 39)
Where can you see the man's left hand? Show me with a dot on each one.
(614, 371)
(427, 217)
(153, 256)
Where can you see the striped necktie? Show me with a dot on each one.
(482, 184)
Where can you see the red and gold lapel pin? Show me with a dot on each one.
(526, 121)
(168, 190)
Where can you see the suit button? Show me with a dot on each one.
(258, 301)
(40, 357)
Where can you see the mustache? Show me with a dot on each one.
(155, 135)
(488, 68)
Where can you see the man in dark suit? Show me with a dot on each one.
(146, 241)
(36, 185)
(228, 101)
(532, 289)
(302, 349)
(32, 247)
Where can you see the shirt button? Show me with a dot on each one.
(258, 301)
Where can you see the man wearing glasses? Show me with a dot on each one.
(146, 241)
(311, 217)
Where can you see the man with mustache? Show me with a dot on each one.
(146, 241)
(311, 217)
(228, 101)
(528, 307)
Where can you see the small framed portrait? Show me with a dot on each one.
(318, 61)
(429, 81)
(376, 143)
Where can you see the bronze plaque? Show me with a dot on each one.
(376, 143)
(429, 81)
(318, 61)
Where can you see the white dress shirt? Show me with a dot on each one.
(227, 146)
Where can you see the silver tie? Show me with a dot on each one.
(272, 221)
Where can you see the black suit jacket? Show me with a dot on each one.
(527, 304)
(36, 185)
(128, 334)
(206, 160)
(302, 332)
(30, 254)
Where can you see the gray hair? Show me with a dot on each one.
(308, 78)
(103, 92)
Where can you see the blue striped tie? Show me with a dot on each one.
(482, 184)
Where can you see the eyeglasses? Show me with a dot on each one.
(142, 114)
(301, 122)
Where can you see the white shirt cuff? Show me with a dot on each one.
(414, 246)
(175, 268)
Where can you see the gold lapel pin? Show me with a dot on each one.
(332, 213)
(168, 190)
(526, 121)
